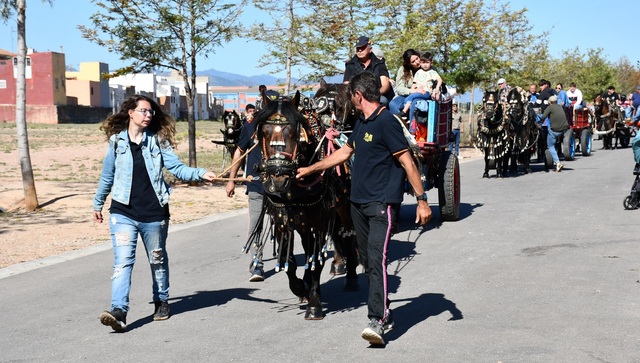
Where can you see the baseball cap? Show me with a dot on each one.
(362, 41)
(553, 99)
(638, 87)
(501, 81)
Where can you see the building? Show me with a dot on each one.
(237, 98)
(88, 86)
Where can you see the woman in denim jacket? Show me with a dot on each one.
(141, 140)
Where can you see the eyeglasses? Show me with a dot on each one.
(362, 49)
(144, 111)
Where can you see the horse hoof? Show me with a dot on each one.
(338, 268)
(351, 284)
(485, 175)
(297, 288)
(313, 313)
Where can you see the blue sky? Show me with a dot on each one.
(585, 24)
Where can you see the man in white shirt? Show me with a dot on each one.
(575, 97)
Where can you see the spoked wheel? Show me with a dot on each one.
(449, 187)
(586, 142)
(569, 145)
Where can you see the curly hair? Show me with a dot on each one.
(161, 123)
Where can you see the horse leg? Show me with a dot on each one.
(288, 263)
(486, 163)
(312, 243)
(500, 166)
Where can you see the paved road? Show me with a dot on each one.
(541, 268)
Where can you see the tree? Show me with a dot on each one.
(279, 52)
(169, 34)
(28, 182)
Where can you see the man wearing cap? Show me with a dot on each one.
(504, 90)
(557, 126)
(365, 60)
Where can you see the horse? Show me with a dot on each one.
(290, 135)
(605, 121)
(335, 110)
(231, 134)
(523, 131)
(492, 135)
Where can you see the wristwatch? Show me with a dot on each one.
(422, 197)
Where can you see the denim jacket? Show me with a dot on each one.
(117, 169)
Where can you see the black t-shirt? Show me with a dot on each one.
(377, 66)
(377, 176)
(144, 205)
(253, 159)
(611, 97)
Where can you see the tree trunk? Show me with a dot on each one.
(287, 89)
(28, 183)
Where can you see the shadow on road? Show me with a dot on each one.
(200, 300)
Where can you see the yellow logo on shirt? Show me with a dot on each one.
(367, 137)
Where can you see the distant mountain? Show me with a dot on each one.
(219, 78)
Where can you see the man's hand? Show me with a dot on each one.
(231, 187)
(423, 212)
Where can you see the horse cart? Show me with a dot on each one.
(582, 127)
(440, 166)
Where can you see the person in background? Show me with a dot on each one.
(404, 79)
(575, 97)
(255, 190)
(382, 159)
(504, 91)
(557, 126)
(457, 126)
(635, 102)
(365, 60)
(141, 140)
(563, 101)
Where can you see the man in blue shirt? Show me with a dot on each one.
(382, 157)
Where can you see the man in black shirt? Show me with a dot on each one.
(382, 158)
(365, 60)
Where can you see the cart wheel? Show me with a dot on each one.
(569, 145)
(548, 160)
(629, 204)
(586, 142)
(449, 187)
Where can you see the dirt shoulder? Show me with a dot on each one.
(66, 179)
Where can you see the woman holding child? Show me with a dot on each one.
(404, 79)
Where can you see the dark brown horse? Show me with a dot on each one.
(605, 121)
(333, 107)
(492, 136)
(290, 136)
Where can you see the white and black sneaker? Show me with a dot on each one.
(373, 332)
(116, 319)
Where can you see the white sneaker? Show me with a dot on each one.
(559, 167)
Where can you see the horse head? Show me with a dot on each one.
(491, 110)
(232, 127)
(334, 106)
(286, 142)
(515, 109)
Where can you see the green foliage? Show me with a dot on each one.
(158, 34)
